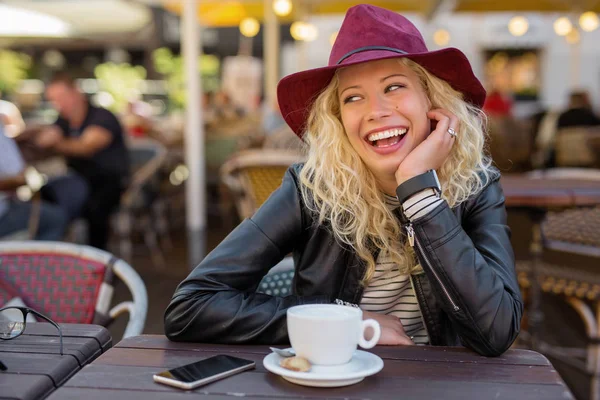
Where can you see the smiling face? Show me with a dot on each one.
(383, 109)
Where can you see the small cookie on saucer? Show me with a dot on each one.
(298, 364)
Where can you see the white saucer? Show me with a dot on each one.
(360, 366)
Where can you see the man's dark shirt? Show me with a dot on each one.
(578, 117)
(109, 163)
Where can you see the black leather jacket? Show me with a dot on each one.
(468, 293)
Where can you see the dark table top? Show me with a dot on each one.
(523, 191)
(35, 366)
(410, 372)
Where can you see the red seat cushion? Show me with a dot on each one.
(63, 287)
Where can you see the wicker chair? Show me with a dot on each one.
(574, 147)
(252, 175)
(70, 283)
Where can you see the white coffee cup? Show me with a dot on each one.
(328, 334)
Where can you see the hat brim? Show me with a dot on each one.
(297, 92)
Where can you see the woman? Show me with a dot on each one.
(365, 217)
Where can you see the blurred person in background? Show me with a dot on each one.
(136, 119)
(11, 118)
(92, 141)
(14, 213)
(497, 104)
(578, 114)
(579, 111)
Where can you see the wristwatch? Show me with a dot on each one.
(418, 183)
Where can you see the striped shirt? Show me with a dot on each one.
(390, 292)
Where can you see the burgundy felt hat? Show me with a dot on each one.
(372, 33)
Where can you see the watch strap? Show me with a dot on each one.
(416, 184)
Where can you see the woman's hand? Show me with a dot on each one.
(433, 151)
(392, 331)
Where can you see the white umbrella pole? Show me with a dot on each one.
(271, 53)
(194, 135)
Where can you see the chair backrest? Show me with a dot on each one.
(70, 283)
(573, 147)
(252, 175)
(147, 156)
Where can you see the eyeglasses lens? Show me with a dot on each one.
(11, 323)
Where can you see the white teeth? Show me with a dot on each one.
(386, 134)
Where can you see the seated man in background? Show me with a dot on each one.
(15, 214)
(91, 139)
(579, 112)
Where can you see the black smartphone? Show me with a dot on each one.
(200, 373)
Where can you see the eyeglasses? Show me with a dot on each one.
(14, 319)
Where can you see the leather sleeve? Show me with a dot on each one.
(472, 270)
(218, 303)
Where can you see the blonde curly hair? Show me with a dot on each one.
(337, 185)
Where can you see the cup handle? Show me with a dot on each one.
(367, 344)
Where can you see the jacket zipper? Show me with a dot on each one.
(412, 284)
(412, 240)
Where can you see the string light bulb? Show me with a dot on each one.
(518, 26)
(304, 31)
(562, 26)
(282, 8)
(249, 27)
(588, 21)
(441, 37)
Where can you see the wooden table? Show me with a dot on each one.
(35, 366)
(522, 191)
(410, 372)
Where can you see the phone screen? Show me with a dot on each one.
(206, 368)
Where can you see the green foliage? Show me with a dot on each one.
(13, 69)
(123, 81)
(170, 65)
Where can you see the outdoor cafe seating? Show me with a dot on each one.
(573, 231)
(71, 283)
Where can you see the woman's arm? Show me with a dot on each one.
(218, 302)
(471, 267)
